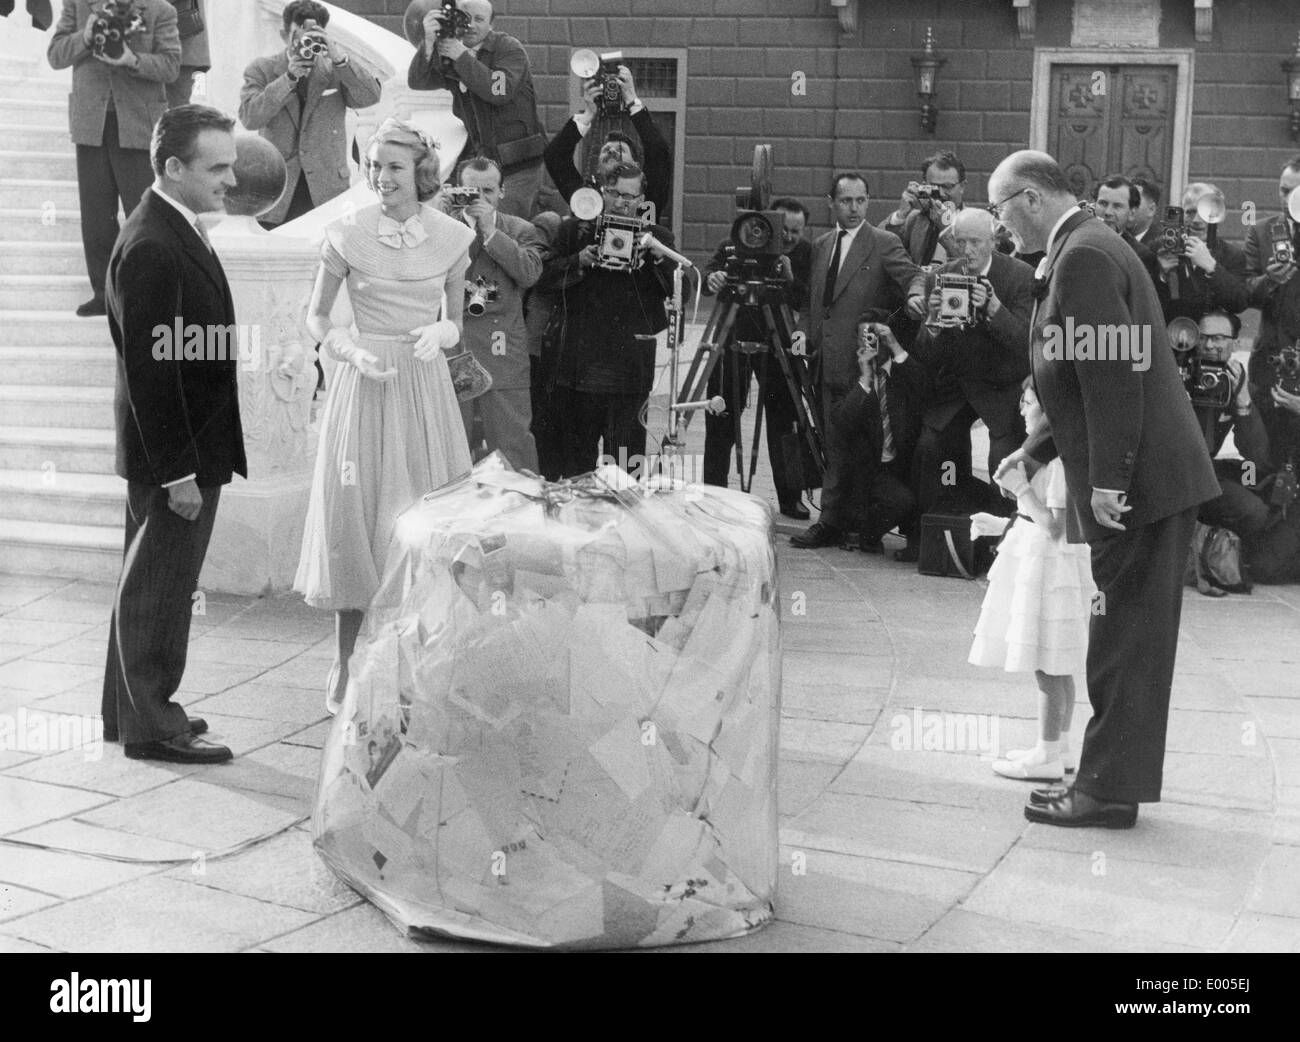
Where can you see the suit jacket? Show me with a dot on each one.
(493, 95)
(876, 274)
(175, 416)
(857, 416)
(656, 161)
(138, 95)
(1115, 427)
(511, 261)
(1199, 292)
(312, 137)
(1279, 306)
(194, 49)
(920, 236)
(985, 364)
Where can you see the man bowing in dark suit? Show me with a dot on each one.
(178, 433)
(1136, 468)
(855, 269)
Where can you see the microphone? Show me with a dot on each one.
(715, 405)
(649, 242)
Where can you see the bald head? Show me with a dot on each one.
(972, 231)
(480, 21)
(1031, 193)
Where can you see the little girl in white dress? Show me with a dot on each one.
(1037, 608)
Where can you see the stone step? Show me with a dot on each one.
(40, 406)
(14, 90)
(41, 258)
(39, 193)
(50, 137)
(20, 227)
(24, 328)
(65, 449)
(34, 113)
(59, 366)
(48, 496)
(54, 293)
(90, 552)
(59, 166)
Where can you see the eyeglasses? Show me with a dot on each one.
(1216, 338)
(996, 208)
(625, 196)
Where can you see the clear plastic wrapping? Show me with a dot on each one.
(561, 723)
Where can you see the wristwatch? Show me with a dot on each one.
(341, 61)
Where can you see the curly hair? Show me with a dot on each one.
(428, 171)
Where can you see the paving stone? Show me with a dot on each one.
(282, 871)
(1210, 692)
(824, 595)
(17, 946)
(1286, 759)
(1266, 680)
(16, 901)
(287, 771)
(211, 678)
(1225, 734)
(88, 649)
(1278, 887)
(782, 936)
(1131, 901)
(1006, 695)
(72, 836)
(362, 928)
(953, 779)
(64, 875)
(1277, 717)
(84, 592)
(17, 590)
(300, 672)
(205, 818)
(157, 914)
(799, 782)
(962, 930)
(1220, 781)
(85, 699)
(822, 740)
(312, 737)
(263, 701)
(918, 727)
(49, 678)
(10, 652)
(28, 803)
(39, 634)
(897, 830)
(820, 702)
(866, 896)
(112, 774)
(243, 734)
(1264, 933)
(56, 608)
(10, 758)
(214, 648)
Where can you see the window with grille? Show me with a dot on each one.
(655, 77)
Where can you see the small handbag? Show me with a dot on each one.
(468, 376)
(189, 18)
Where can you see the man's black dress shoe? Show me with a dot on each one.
(870, 546)
(1042, 797)
(1077, 810)
(198, 726)
(94, 306)
(820, 534)
(795, 510)
(910, 554)
(184, 748)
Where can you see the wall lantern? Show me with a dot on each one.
(1292, 69)
(927, 74)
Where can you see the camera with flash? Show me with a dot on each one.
(956, 306)
(587, 65)
(618, 238)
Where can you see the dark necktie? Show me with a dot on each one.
(301, 88)
(887, 441)
(833, 272)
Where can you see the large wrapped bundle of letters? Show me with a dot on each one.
(560, 727)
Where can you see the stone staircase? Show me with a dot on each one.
(61, 505)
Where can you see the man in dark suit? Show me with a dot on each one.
(977, 370)
(1204, 277)
(884, 438)
(178, 432)
(195, 54)
(300, 105)
(925, 225)
(491, 85)
(1143, 225)
(855, 269)
(1114, 201)
(114, 105)
(1136, 468)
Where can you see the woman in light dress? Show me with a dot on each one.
(391, 427)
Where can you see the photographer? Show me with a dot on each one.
(1197, 277)
(505, 259)
(299, 102)
(924, 224)
(793, 266)
(877, 424)
(977, 369)
(655, 157)
(602, 374)
(1226, 407)
(491, 85)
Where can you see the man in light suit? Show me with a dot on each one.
(179, 437)
(855, 269)
(114, 105)
(1136, 468)
(300, 106)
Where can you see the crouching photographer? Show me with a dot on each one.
(609, 290)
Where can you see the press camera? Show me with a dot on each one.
(479, 294)
(1209, 384)
(114, 26)
(618, 238)
(956, 300)
(587, 65)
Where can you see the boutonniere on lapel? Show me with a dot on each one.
(1038, 287)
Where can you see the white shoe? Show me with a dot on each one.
(1049, 770)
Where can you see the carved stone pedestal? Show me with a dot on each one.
(258, 532)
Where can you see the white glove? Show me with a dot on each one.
(435, 338)
(1015, 480)
(983, 524)
(338, 342)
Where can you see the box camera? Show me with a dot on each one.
(586, 65)
(455, 22)
(1173, 234)
(311, 43)
(458, 196)
(956, 306)
(1286, 369)
(1283, 249)
(1208, 384)
(479, 294)
(114, 26)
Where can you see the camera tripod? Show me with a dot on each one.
(766, 298)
